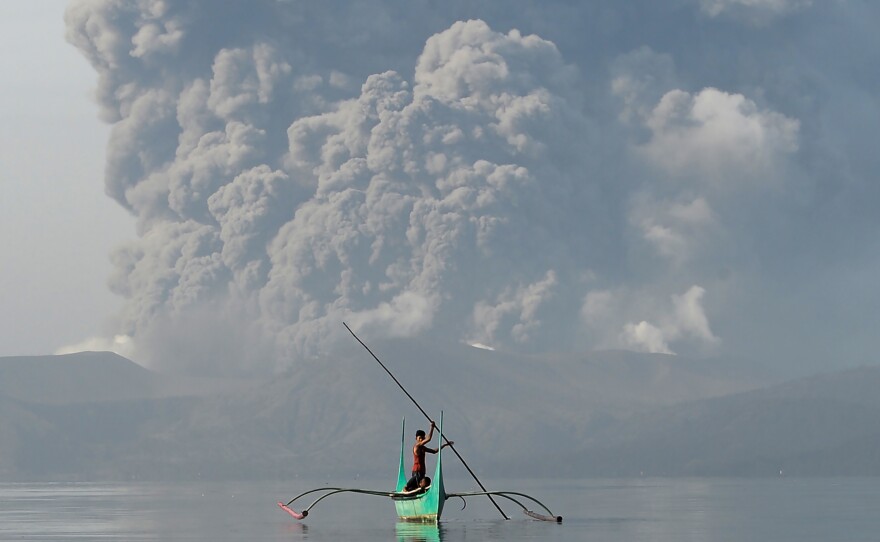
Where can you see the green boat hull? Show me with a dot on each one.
(427, 506)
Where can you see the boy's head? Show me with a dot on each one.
(420, 434)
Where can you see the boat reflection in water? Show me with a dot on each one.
(411, 531)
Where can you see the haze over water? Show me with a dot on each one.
(782, 509)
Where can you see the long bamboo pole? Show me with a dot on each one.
(411, 398)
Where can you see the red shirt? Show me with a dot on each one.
(419, 459)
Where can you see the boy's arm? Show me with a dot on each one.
(434, 450)
(430, 434)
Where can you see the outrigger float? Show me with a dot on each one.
(424, 505)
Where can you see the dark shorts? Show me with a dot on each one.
(414, 481)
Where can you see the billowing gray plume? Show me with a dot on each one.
(528, 175)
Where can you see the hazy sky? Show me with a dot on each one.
(57, 227)
(691, 176)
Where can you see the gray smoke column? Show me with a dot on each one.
(268, 212)
(291, 168)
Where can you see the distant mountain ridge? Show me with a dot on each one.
(824, 425)
(80, 377)
(86, 377)
(100, 416)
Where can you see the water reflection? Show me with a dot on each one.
(408, 531)
(300, 529)
(655, 510)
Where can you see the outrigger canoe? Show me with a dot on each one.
(426, 506)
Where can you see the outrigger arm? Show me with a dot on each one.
(334, 490)
(507, 495)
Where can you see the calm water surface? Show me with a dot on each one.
(658, 510)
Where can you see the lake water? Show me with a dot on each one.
(656, 510)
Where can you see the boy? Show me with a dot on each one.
(419, 449)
